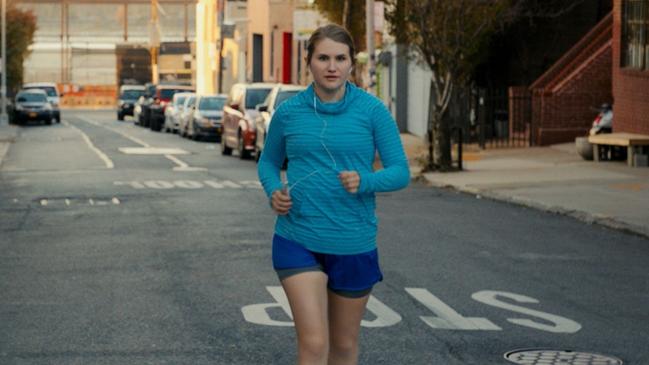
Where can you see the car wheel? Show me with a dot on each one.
(243, 153)
(225, 150)
(120, 116)
(48, 121)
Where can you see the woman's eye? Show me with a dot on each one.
(323, 58)
(341, 58)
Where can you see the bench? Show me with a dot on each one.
(635, 144)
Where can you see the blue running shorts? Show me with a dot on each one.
(351, 276)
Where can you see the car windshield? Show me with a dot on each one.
(131, 94)
(51, 91)
(256, 96)
(211, 103)
(283, 95)
(169, 93)
(191, 101)
(31, 98)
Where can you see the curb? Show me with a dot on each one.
(582, 216)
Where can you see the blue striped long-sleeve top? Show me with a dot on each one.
(320, 140)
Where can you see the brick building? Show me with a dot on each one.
(631, 66)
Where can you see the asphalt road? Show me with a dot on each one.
(119, 245)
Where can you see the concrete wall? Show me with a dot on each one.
(418, 94)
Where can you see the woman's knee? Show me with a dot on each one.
(314, 346)
(344, 345)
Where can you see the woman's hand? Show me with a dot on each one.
(350, 180)
(280, 201)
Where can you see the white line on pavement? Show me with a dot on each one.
(134, 139)
(109, 163)
(182, 166)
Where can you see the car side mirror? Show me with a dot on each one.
(262, 108)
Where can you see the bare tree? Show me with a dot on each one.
(450, 37)
(447, 36)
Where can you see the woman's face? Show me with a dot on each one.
(330, 65)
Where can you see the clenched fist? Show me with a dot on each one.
(281, 202)
(350, 180)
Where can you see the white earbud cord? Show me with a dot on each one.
(288, 186)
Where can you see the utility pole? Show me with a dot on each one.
(369, 25)
(221, 18)
(154, 39)
(3, 87)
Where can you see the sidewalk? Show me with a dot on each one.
(7, 135)
(553, 179)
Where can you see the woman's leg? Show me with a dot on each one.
(345, 315)
(307, 295)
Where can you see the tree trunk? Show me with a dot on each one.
(346, 15)
(439, 135)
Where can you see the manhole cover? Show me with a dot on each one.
(559, 357)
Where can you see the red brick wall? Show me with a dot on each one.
(567, 111)
(630, 87)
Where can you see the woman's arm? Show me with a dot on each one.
(396, 172)
(273, 154)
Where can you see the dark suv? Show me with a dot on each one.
(163, 96)
(32, 105)
(128, 95)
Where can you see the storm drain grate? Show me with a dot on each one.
(559, 357)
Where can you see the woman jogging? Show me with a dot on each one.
(324, 247)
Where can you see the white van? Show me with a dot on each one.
(53, 96)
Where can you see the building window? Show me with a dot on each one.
(635, 42)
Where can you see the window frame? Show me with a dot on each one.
(635, 47)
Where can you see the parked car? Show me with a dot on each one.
(277, 96)
(53, 96)
(32, 104)
(161, 98)
(206, 119)
(173, 111)
(141, 110)
(185, 116)
(239, 115)
(128, 95)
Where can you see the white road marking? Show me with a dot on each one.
(115, 201)
(67, 202)
(258, 313)
(561, 324)
(148, 150)
(385, 317)
(128, 136)
(152, 151)
(447, 317)
(109, 163)
(44, 202)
